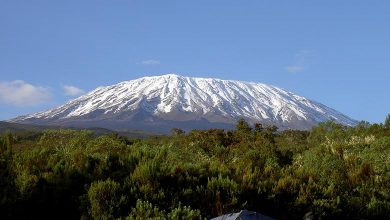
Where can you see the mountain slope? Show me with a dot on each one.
(162, 102)
(25, 129)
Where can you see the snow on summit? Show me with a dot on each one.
(170, 99)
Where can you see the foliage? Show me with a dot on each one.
(387, 122)
(105, 199)
(331, 171)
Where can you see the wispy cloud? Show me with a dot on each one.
(295, 69)
(150, 62)
(72, 90)
(300, 62)
(21, 93)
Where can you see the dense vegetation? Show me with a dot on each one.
(332, 171)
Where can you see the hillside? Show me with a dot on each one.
(160, 103)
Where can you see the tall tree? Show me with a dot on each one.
(243, 126)
(387, 121)
(258, 127)
(177, 131)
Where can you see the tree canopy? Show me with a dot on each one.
(331, 171)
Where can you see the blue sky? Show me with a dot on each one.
(334, 52)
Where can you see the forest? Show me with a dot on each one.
(332, 171)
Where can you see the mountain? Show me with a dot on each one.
(16, 128)
(31, 129)
(159, 103)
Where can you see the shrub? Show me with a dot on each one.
(105, 199)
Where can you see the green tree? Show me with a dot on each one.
(8, 142)
(105, 199)
(259, 127)
(177, 131)
(7, 181)
(184, 212)
(243, 127)
(387, 121)
(145, 210)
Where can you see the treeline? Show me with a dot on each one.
(332, 171)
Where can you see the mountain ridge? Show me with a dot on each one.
(173, 100)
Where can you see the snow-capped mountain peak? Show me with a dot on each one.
(175, 98)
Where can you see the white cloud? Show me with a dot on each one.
(21, 93)
(150, 62)
(72, 90)
(302, 55)
(295, 69)
(300, 62)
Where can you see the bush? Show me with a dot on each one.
(105, 199)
